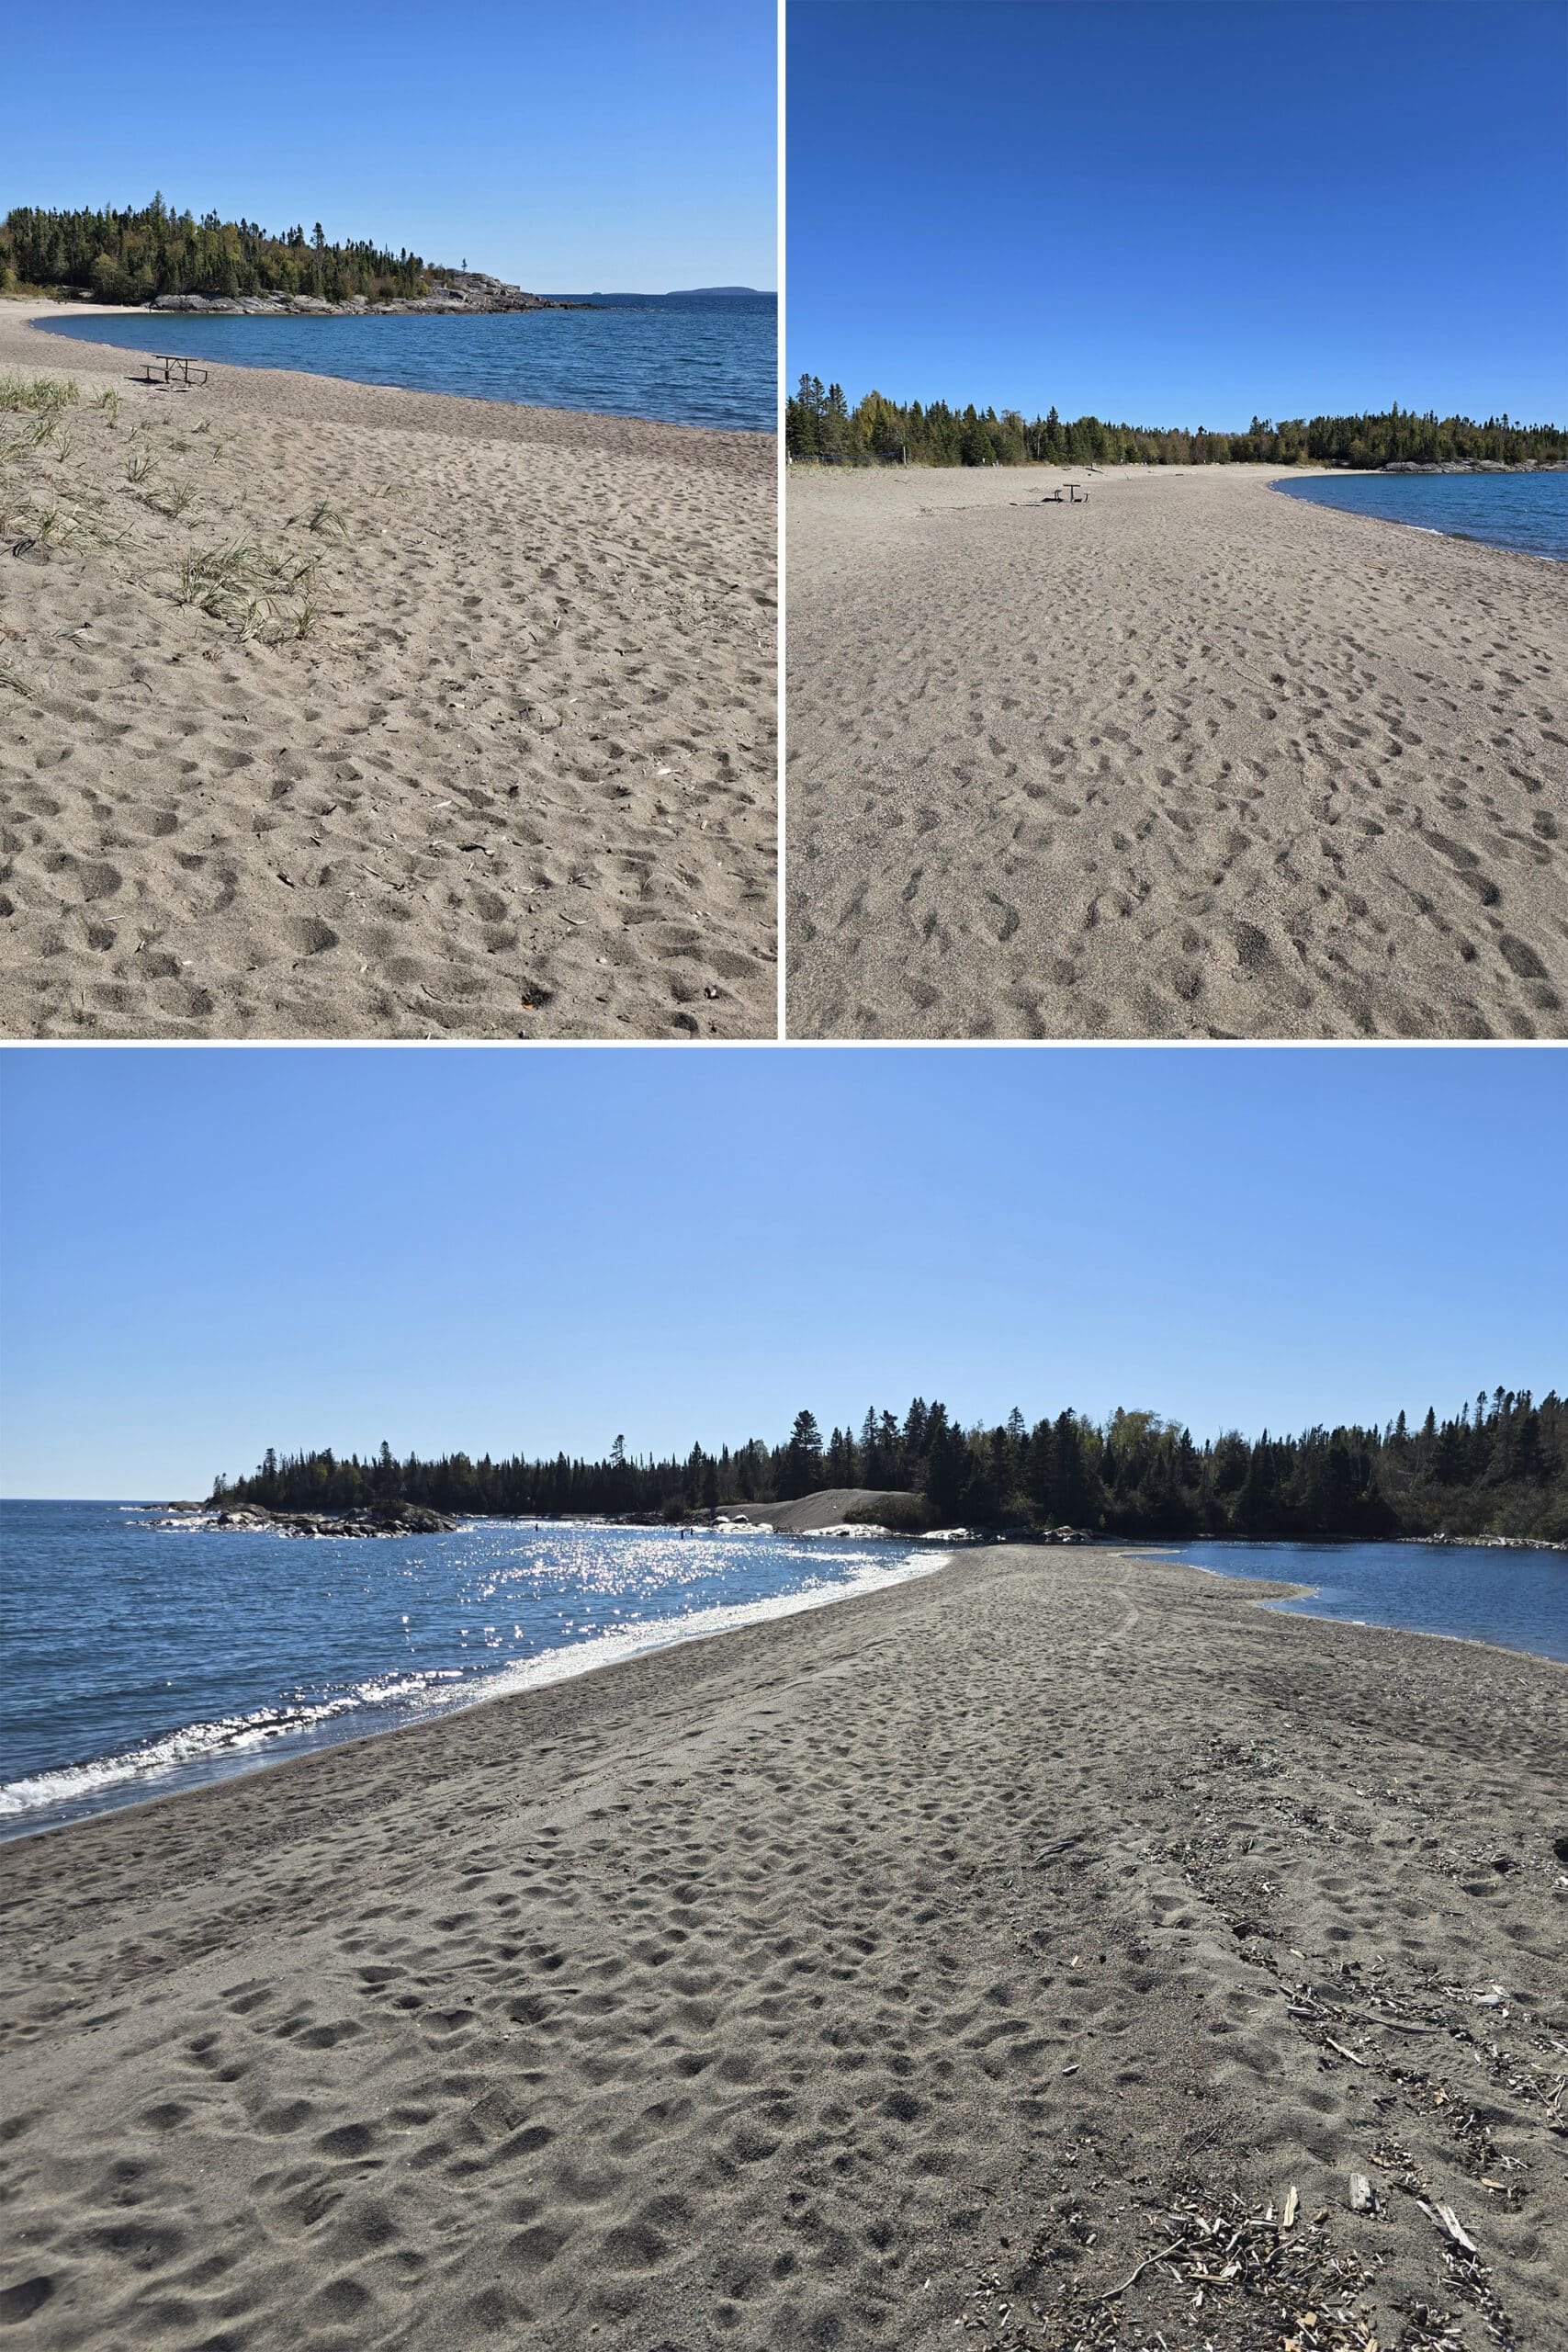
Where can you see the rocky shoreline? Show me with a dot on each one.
(386, 1519)
(1490, 1543)
(1476, 466)
(454, 294)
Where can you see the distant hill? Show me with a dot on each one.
(679, 294)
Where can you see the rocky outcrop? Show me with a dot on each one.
(385, 1519)
(1491, 1542)
(1476, 466)
(454, 293)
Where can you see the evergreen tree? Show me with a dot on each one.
(1500, 1465)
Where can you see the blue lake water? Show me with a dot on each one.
(1518, 1599)
(1529, 512)
(139, 1660)
(680, 359)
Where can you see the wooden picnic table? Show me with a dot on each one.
(168, 361)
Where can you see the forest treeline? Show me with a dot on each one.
(1499, 1467)
(132, 256)
(820, 422)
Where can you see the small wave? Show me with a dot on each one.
(664, 1633)
(203, 1750)
(210, 1743)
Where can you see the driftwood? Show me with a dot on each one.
(1163, 2256)
(1448, 2220)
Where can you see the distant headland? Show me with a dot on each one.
(161, 260)
(1497, 1468)
(684, 294)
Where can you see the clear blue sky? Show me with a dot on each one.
(206, 1252)
(1181, 214)
(569, 146)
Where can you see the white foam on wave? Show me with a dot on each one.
(236, 1736)
(227, 1735)
(664, 1633)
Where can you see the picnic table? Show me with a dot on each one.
(168, 361)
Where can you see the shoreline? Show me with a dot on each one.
(267, 1748)
(570, 1661)
(1430, 530)
(834, 1981)
(37, 317)
(1278, 1600)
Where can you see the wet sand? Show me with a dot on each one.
(1193, 759)
(910, 1971)
(479, 741)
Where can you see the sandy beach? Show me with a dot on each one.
(1193, 759)
(475, 740)
(998, 1958)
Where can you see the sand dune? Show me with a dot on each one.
(478, 739)
(827, 1508)
(867, 1979)
(1193, 759)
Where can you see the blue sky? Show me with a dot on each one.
(621, 145)
(1181, 214)
(206, 1252)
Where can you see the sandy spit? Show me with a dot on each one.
(1193, 759)
(829, 1983)
(499, 762)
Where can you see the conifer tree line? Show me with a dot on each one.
(132, 256)
(820, 422)
(1498, 1466)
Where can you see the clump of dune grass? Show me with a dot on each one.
(43, 394)
(244, 586)
(213, 577)
(325, 519)
(139, 465)
(109, 402)
(67, 526)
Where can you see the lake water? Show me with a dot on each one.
(139, 1659)
(1518, 1599)
(1523, 511)
(680, 360)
